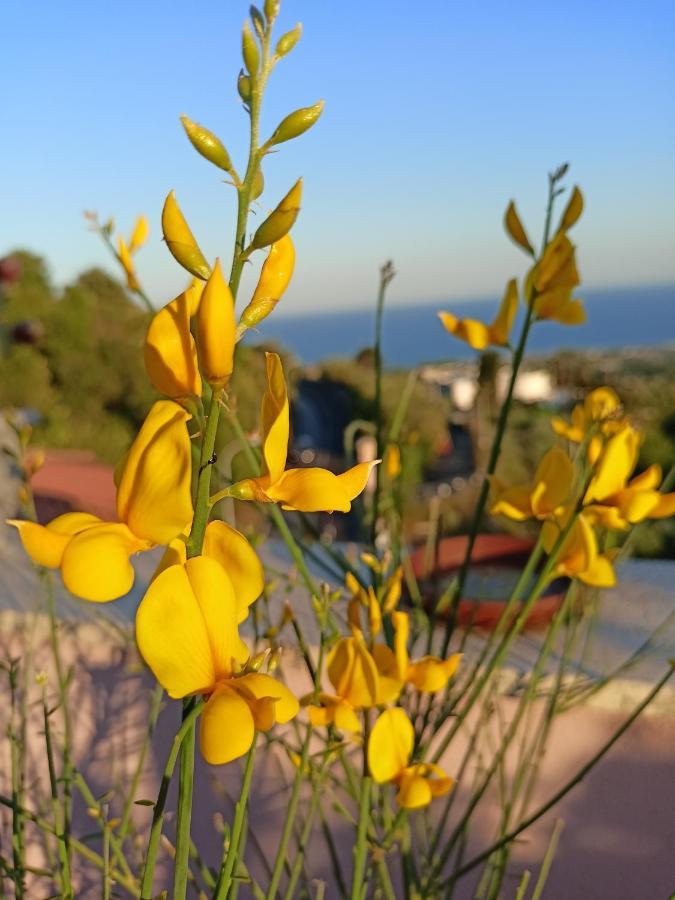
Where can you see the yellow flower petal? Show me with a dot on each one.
(139, 235)
(353, 672)
(244, 569)
(216, 329)
(215, 596)
(513, 502)
(430, 674)
(664, 508)
(170, 353)
(600, 573)
(414, 791)
(275, 418)
(615, 465)
(172, 636)
(648, 480)
(226, 727)
(95, 564)
(552, 482)
(501, 327)
(401, 623)
(354, 480)
(264, 687)
(476, 334)
(153, 496)
(390, 745)
(46, 544)
(389, 682)
(310, 490)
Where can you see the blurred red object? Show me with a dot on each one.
(10, 269)
(74, 480)
(490, 551)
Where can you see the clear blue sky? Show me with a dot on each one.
(437, 113)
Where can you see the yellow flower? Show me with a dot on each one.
(231, 549)
(154, 505)
(275, 277)
(543, 497)
(615, 502)
(170, 353)
(392, 461)
(125, 251)
(389, 748)
(216, 328)
(428, 674)
(579, 556)
(307, 490)
(601, 407)
(479, 335)
(353, 674)
(186, 629)
(551, 282)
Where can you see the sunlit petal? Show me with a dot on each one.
(390, 745)
(226, 727)
(96, 565)
(275, 418)
(244, 569)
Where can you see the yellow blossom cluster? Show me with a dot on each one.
(594, 492)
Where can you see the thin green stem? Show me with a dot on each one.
(158, 812)
(232, 856)
(184, 812)
(361, 846)
(386, 275)
(495, 451)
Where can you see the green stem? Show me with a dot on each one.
(386, 275)
(476, 522)
(158, 812)
(225, 879)
(361, 847)
(184, 812)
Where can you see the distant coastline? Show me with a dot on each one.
(617, 317)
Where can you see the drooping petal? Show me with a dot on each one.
(172, 636)
(170, 353)
(95, 564)
(390, 745)
(310, 490)
(285, 705)
(274, 416)
(215, 596)
(45, 544)
(153, 496)
(648, 480)
(226, 727)
(476, 334)
(345, 718)
(240, 561)
(599, 573)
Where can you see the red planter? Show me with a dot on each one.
(489, 550)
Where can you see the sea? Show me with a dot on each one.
(616, 318)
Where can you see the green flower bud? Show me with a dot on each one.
(207, 144)
(280, 220)
(249, 50)
(287, 41)
(258, 21)
(296, 123)
(271, 9)
(258, 185)
(244, 86)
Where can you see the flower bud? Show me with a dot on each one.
(573, 210)
(169, 352)
(275, 276)
(249, 50)
(271, 9)
(180, 240)
(258, 185)
(258, 21)
(280, 220)
(287, 41)
(207, 144)
(216, 329)
(124, 256)
(296, 123)
(244, 86)
(515, 230)
(139, 235)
